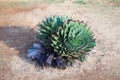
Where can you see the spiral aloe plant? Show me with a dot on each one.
(66, 37)
(48, 27)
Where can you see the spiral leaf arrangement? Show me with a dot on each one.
(67, 38)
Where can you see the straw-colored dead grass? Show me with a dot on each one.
(17, 33)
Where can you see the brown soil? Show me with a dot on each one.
(17, 33)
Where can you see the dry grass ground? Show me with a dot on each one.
(18, 21)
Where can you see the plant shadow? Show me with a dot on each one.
(20, 38)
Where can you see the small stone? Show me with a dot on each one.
(33, 54)
(32, 49)
(94, 51)
(36, 45)
(12, 48)
(49, 60)
(60, 63)
(41, 58)
(76, 64)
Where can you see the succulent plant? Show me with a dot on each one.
(48, 27)
(67, 38)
